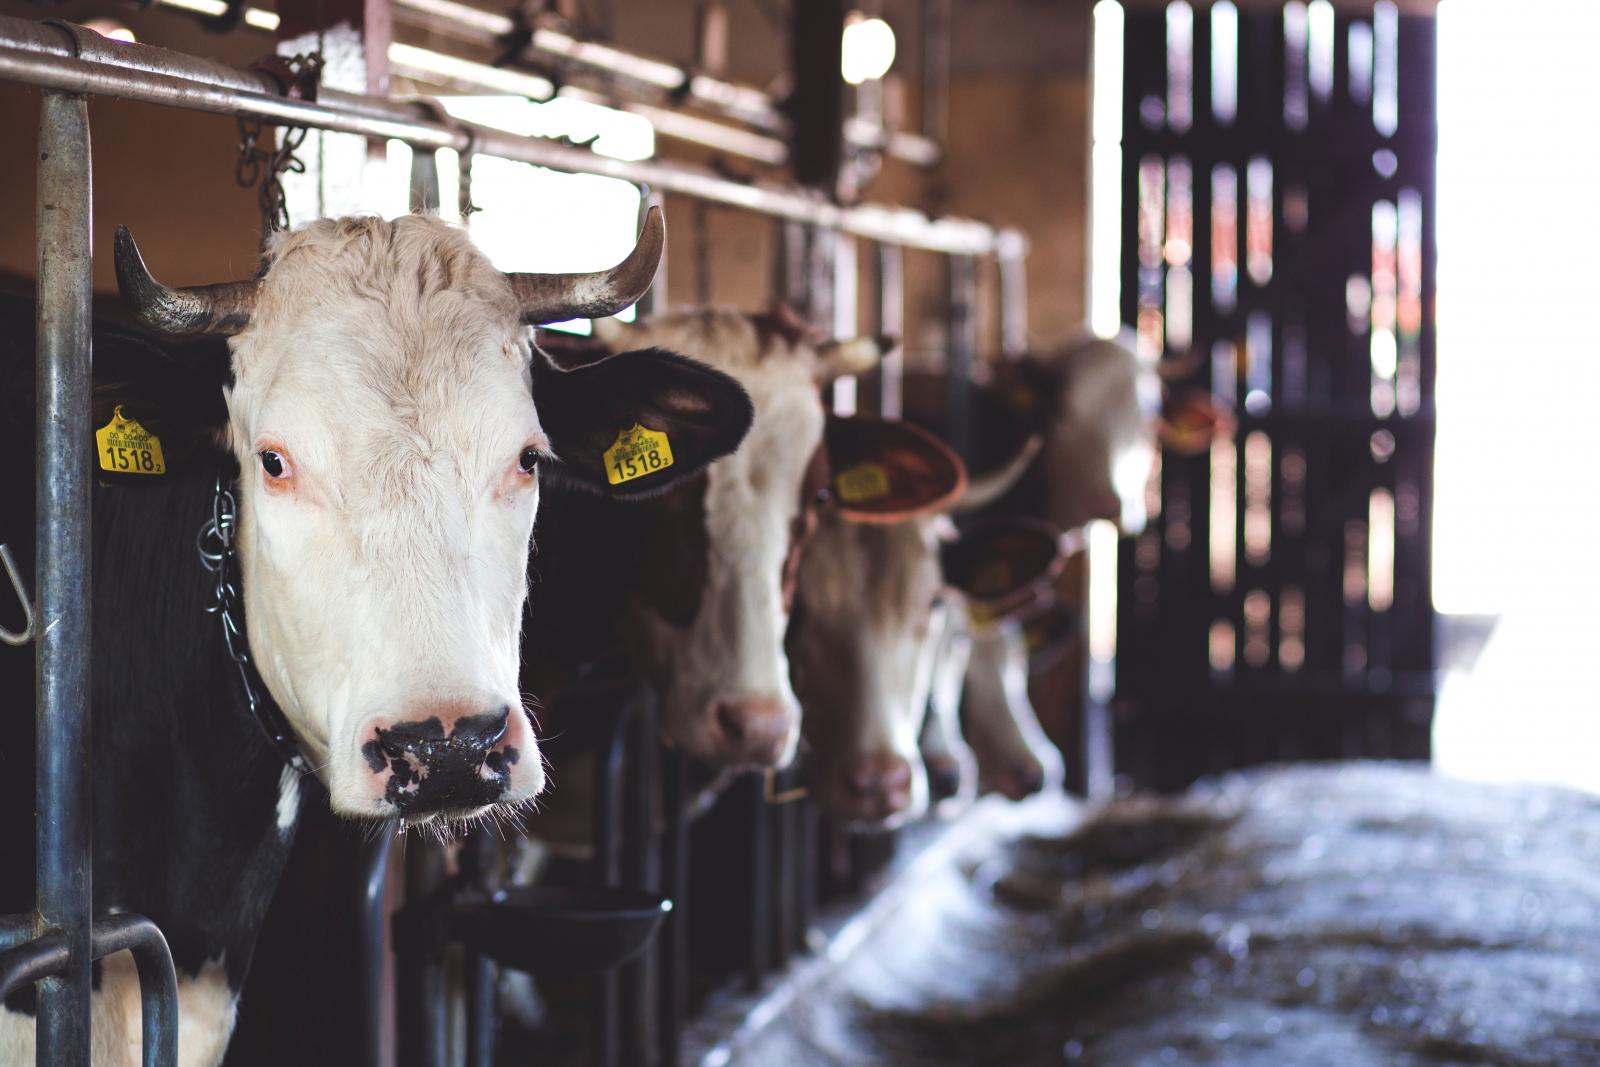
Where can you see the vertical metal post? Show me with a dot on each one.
(844, 290)
(963, 354)
(655, 298)
(935, 69)
(373, 912)
(673, 941)
(892, 323)
(62, 580)
(1013, 298)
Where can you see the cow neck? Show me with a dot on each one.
(215, 543)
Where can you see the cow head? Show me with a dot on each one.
(711, 625)
(390, 420)
(1103, 411)
(871, 613)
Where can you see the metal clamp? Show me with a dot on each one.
(10, 638)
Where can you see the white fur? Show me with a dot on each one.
(388, 360)
(206, 1012)
(1100, 437)
(868, 641)
(941, 742)
(288, 799)
(733, 649)
(999, 720)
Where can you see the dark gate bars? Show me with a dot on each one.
(1291, 655)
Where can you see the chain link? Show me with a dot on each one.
(214, 542)
(263, 163)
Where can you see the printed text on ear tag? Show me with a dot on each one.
(636, 453)
(125, 447)
(858, 484)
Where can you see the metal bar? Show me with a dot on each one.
(673, 941)
(32, 961)
(373, 913)
(422, 1020)
(661, 81)
(40, 56)
(1013, 301)
(963, 347)
(158, 980)
(63, 527)
(892, 323)
(638, 846)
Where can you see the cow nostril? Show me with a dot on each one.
(481, 732)
(730, 722)
(425, 739)
(1032, 783)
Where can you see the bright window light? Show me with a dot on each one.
(533, 219)
(110, 29)
(1514, 520)
(867, 50)
(1105, 173)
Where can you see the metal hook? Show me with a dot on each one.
(22, 596)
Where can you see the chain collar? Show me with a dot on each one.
(214, 542)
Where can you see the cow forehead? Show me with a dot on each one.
(371, 331)
(885, 573)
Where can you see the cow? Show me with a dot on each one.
(693, 591)
(362, 461)
(875, 596)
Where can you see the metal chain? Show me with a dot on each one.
(214, 542)
(262, 164)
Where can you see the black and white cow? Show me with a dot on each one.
(385, 424)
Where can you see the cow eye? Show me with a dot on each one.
(274, 464)
(528, 462)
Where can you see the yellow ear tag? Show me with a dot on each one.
(993, 578)
(866, 481)
(637, 452)
(125, 447)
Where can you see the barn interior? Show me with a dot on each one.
(1286, 754)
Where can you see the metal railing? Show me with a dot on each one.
(55, 945)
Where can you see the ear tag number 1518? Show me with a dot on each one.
(636, 453)
(125, 447)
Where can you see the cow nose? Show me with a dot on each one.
(441, 763)
(944, 778)
(1020, 783)
(471, 736)
(751, 731)
(876, 787)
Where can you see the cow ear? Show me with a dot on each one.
(1003, 565)
(885, 470)
(637, 423)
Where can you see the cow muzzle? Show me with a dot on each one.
(448, 762)
(873, 790)
(751, 731)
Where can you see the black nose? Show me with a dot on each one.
(430, 770)
(944, 779)
(425, 739)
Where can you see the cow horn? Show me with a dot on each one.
(216, 309)
(985, 489)
(558, 297)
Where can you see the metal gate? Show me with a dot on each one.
(1278, 251)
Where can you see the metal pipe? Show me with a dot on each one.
(725, 99)
(963, 348)
(62, 531)
(373, 913)
(892, 323)
(158, 980)
(31, 962)
(1013, 300)
(43, 59)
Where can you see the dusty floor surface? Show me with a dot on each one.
(1315, 917)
